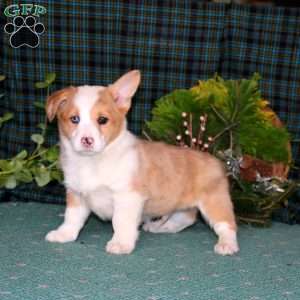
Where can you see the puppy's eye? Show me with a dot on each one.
(75, 119)
(102, 120)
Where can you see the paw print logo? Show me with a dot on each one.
(24, 32)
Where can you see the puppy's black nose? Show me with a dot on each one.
(87, 141)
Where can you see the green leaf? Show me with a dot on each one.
(42, 176)
(50, 77)
(37, 138)
(2, 77)
(41, 126)
(57, 175)
(16, 164)
(3, 179)
(11, 182)
(41, 84)
(24, 176)
(12, 165)
(22, 155)
(5, 165)
(39, 104)
(52, 154)
(6, 117)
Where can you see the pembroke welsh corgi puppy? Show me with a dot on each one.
(119, 177)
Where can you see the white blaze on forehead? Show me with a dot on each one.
(85, 99)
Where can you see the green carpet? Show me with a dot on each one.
(163, 266)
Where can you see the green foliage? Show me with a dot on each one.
(41, 166)
(38, 104)
(5, 118)
(167, 112)
(49, 79)
(2, 77)
(37, 138)
(235, 105)
(239, 121)
(265, 141)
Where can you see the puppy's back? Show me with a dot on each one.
(174, 178)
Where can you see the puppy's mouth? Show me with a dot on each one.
(89, 151)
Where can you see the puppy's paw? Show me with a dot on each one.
(151, 227)
(156, 226)
(116, 247)
(61, 236)
(226, 248)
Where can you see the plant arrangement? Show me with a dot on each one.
(41, 165)
(230, 119)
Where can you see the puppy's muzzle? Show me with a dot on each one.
(87, 141)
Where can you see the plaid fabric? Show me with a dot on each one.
(266, 40)
(174, 43)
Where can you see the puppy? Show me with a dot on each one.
(112, 173)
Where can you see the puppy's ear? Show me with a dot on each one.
(57, 100)
(124, 89)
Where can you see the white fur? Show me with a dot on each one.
(102, 189)
(227, 243)
(87, 175)
(85, 99)
(100, 179)
(75, 218)
(170, 224)
(128, 209)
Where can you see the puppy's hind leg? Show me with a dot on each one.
(217, 209)
(172, 223)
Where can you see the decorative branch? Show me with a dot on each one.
(229, 127)
(147, 136)
(219, 114)
(196, 143)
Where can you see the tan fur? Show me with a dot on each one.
(60, 104)
(124, 88)
(65, 126)
(150, 180)
(107, 107)
(175, 178)
(55, 101)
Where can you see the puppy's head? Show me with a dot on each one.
(91, 117)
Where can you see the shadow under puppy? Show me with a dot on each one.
(109, 171)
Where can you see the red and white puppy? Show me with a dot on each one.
(119, 177)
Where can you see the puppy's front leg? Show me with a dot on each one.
(75, 216)
(128, 208)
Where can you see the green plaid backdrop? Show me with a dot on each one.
(174, 43)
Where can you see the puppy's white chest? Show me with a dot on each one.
(101, 203)
(87, 177)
